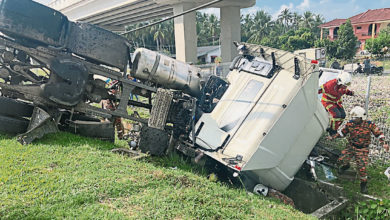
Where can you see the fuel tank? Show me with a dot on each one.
(166, 71)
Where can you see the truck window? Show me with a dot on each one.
(240, 106)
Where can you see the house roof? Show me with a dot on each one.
(205, 50)
(333, 23)
(371, 15)
(382, 14)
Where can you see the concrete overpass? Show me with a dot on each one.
(115, 15)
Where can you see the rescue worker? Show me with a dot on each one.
(367, 66)
(332, 91)
(359, 132)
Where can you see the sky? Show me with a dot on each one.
(329, 9)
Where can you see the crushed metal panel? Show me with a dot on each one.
(98, 44)
(33, 21)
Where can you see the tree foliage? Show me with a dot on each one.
(344, 47)
(381, 44)
(290, 31)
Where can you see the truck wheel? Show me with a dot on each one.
(100, 130)
(15, 108)
(13, 125)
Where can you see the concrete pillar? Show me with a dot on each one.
(185, 33)
(230, 31)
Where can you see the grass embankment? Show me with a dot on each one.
(67, 176)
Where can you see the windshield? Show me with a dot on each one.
(240, 106)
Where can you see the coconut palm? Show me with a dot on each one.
(307, 19)
(158, 34)
(213, 27)
(246, 23)
(285, 17)
(296, 19)
(261, 26)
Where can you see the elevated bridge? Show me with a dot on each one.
(115, 15)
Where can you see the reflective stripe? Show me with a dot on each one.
(328, 107)
(330, 96)
(327, 100)
(341, 129)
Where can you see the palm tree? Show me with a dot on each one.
(308, 19)
(296, 19)
(246, 23)
(158, 34)
(213, 26)
(285, 17)
(261, 26)
(202, 28)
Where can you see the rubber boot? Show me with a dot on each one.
(343, 168)
(363, 188)
(331, 131)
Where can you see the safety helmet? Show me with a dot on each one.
(344, 78)
(358, 112)
(260, 189)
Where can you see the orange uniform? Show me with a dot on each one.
(359, 138)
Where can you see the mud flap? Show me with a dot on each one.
(153, 141)
(41, 123)
(100, 130)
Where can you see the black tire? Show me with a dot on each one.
(15, 108)
(11, 125)
(100, 130)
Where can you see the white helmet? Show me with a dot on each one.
(344, 78)
(260, 189)
(358, 112)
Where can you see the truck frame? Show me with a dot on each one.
(260, 124)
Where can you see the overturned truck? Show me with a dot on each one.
(259, 124)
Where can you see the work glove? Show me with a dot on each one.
(386, 147)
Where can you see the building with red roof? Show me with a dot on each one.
(365, 25)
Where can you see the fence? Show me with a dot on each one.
(378, 112)
(351, 65)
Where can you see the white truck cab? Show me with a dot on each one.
(268, 120)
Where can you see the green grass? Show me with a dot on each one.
(72, 177)
(386, 65)
(378, 184)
